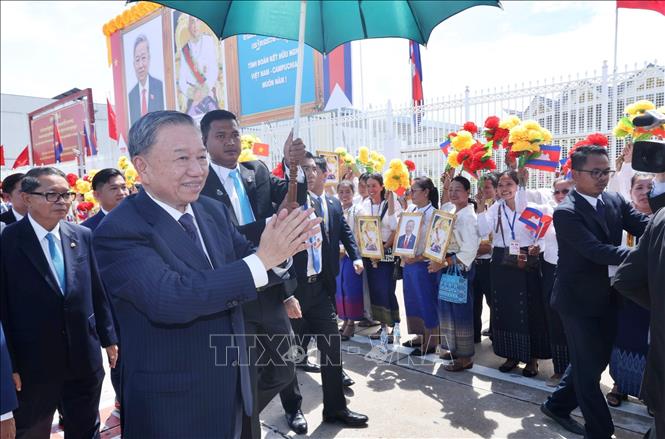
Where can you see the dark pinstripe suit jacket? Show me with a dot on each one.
(178, 378)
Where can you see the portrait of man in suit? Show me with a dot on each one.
(148, 93)
(407, 240)
(177, 270)
(55, 312)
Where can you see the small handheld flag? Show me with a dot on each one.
(545, 223)
(445, 147)
(531, 217)
(90, 144)
(58, 149)
(547, 161)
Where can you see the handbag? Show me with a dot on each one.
(453, 286)
(523, 261)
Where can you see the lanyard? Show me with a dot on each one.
(371, 207)
(511, 225)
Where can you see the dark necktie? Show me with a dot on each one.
(187, 223)
(600, 209)
(318, 210)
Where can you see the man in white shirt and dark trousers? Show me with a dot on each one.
(317, 269)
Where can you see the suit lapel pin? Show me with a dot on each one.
(219, 192)
(250, 179)
(72, 245)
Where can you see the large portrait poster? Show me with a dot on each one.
(144, 72)
(198, 56)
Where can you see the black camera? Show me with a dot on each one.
(649, 155)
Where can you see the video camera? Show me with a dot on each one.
(649, 155)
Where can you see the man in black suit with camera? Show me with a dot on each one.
(589, 225)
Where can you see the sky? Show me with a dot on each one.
(47, 48)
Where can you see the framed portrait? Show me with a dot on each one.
(198, 56)
(369, 236)
(439, 232)
(332, 160)
(406, 238)
(144, 68)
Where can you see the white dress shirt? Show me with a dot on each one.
(256, 267)
(18, 216)
(488, 220)
(41, 233)
(224, 175)
(466, 239)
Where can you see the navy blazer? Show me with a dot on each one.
(8, 400)
(171, 306)
(94, 220)
(587, 245)
(51, 336)
(8, 217)
(155, 101)
(338, 232)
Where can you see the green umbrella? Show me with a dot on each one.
(324, 24)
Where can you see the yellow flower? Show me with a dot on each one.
(509, 123)
(524, 145)
(341, 150)
(547, 135)
(531, 125)
(374, 156)
(518, 133)
(123, 162)
(452, 159)
(363, 154)
(396, 165)
(619, 133)
(130, 173)
(371, 165)
(640, 107)
(247, 141)
(82, 186)
(246, 155)
(89, 197)
(463, 140)
(535, 135)
(91, 174)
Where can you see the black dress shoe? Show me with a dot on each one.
(346, 380)
(346, 416)
(308, 366)
(297, 422)
(566, 422)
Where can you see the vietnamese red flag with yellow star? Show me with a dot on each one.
(261, 149)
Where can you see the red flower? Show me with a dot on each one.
(71, 179)
(489, 164)
(451, 135)
(410, 165)
(400, 191)
(85, 206)
(598, 139)
(470, 127)
(492, 123)
(463, 155)
(500, 134)
(278, 171)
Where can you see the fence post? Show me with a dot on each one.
(604, 104)
(467, 113)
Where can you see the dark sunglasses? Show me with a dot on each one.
(562, 191)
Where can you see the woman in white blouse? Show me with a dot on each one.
(456, 319)
(550, 258)
(519, 326)
(380, 279)
(421, 286)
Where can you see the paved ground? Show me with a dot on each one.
(404, 399)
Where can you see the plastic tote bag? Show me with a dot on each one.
(453, 286)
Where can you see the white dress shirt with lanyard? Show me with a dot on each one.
(513, 229)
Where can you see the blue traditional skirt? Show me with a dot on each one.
(629, 353)
(421, 291)
(349, 295)
(456, 321)
(381, 284)
(519, 325)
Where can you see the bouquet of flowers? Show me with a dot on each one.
(346, 161)
(525, 139)
(396, 178)
(626, 128)
(494, 133)
(468, 152)
(369, 161)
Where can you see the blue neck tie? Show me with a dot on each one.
(245, 206)
(58, 262)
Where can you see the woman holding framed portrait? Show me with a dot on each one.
(456, 319)
(519, 324)
(382, 206)
(420, 285)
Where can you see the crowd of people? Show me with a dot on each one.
(207, 304)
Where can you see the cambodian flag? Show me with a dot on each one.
(548, 159)
(90, 144)
(416, 73)
(545, 223)
(531, 218)
(58, 149)
(445, 147)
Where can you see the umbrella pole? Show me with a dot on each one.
(292, 194)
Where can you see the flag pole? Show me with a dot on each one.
(616, 37)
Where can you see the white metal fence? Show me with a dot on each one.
(570, 108)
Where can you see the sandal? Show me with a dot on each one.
(614, 398)
(376, 335)
(530, 372)
(458, 366)
(508, 365)
(349, 330)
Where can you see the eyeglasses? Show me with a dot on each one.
(53, 197)
(597, 173)
(562, 191)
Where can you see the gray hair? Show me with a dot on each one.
(31, 181)
(142, 39)
(143, 134)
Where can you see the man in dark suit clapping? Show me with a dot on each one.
(317, 270)
(55, 312)
(177, 270)
(589, 224)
